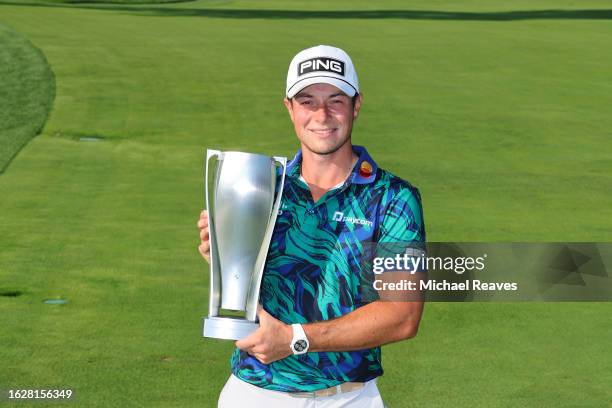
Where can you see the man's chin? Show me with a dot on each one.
(327, 150)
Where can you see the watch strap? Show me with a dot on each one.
(299, 335)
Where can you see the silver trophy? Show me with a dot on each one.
(241, 221)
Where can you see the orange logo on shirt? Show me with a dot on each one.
(365, 170)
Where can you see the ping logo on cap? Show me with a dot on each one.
(321, 64)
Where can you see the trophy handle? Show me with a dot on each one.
(253, 295)
(215, 273)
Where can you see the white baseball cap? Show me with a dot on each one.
(322, 64)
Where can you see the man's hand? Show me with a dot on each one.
(204, 246)
(269, 343)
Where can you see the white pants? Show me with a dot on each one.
(240, 394)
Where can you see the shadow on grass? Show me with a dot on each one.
(27, 93)
(601, 14)
(124, 2)
(11, 292)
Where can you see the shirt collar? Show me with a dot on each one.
(364, 171)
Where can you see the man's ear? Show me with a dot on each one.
(289, 106)
(357, 106)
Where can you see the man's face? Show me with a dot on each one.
(323, 116)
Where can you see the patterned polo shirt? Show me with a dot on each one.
(315, 268)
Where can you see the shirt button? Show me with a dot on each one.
(310, 211)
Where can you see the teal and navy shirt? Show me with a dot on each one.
(314, 269)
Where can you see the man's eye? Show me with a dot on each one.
(305, 103)
(337, 101)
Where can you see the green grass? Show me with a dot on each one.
(27, 89)
(497, 112)
(124, 2)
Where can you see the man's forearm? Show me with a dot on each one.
(372, 325)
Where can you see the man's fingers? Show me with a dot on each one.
(262, 314)
(245, 344)
(263, 344)
(262, 358)
(204, 247)
(203, 220)
(204, 250)
(204, 236)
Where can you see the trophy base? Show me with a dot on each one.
(228, 328)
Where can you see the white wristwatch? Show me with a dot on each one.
(299, 343)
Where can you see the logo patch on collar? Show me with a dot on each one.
(321, 64)
(365, 170)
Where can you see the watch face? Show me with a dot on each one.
(300, 345)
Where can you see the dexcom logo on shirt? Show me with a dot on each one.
(340, 217)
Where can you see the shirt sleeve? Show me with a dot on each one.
(401, 228)
(402, 221)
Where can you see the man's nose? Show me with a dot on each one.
(322, 114)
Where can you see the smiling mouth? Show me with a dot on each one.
(323, 132)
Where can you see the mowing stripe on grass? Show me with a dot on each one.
(27, 90)
(107, 1)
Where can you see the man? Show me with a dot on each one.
(320, 335)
